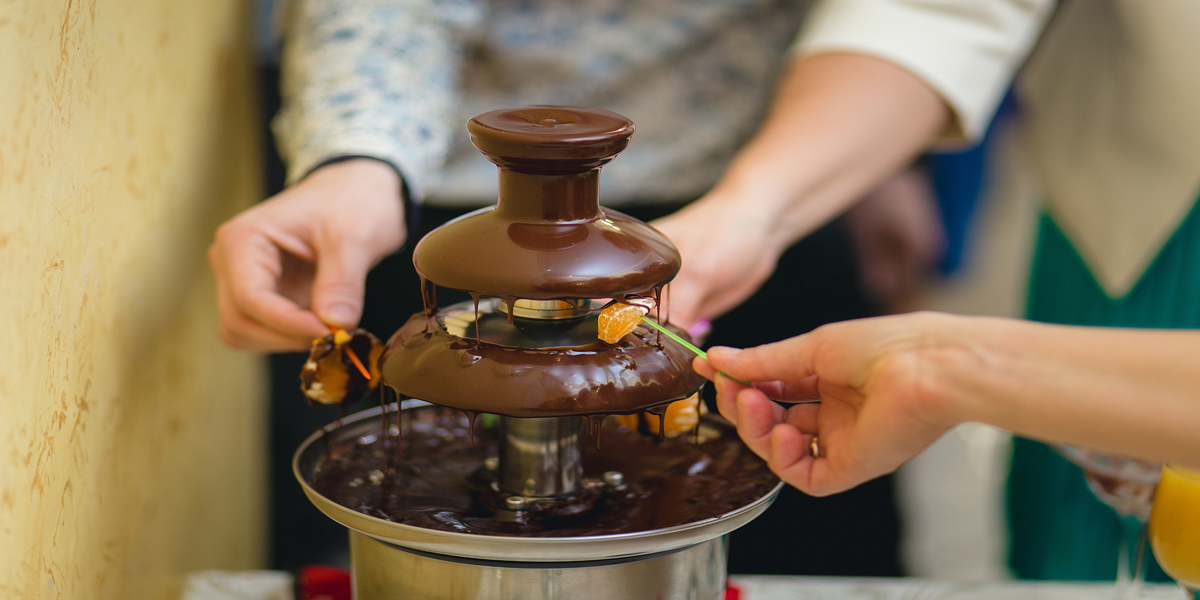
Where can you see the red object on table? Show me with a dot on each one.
(324, 583)
(732, 592)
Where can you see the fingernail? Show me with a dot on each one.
(724, 351)
(341, 314)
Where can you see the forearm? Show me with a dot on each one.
(1132, 392)
(838, 125)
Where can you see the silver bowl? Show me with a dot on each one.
(501, 548)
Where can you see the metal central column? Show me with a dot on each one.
(541, 457)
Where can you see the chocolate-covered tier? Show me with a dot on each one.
(567, 371)
(548, 237)
(546, 240)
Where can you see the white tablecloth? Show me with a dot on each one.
(276, 585)
(763, 587)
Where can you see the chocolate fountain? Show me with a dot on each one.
(541, 498)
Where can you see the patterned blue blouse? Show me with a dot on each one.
(397, 80)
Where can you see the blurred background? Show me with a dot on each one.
(134, 446)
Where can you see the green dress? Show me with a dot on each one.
(1058, 529)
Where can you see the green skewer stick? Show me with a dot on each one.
(689, 346)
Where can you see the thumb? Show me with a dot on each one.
(340, 284)
(789, 360)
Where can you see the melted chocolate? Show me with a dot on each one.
(438, 481)
(547, 238)
(492, 252)
(536, 369)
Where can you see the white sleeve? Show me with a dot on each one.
(966, 50)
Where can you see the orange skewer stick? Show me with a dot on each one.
(357, 363)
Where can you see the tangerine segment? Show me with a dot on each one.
(619, 319)
(682, 417)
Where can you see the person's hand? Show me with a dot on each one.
(898, 238)
(727, 254)
(876, 408)
(731, 239)
(293, 266)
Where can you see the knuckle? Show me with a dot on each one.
(230, 338)
(234, 231)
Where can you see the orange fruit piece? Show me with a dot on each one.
(618, 319)
(341, 367)
(681, 416)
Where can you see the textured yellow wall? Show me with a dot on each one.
(130, 439)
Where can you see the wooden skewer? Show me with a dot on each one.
(352, 355)
(689, 346)
(700, 352)
(357, 363)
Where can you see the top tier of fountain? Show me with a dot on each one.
(548, 238)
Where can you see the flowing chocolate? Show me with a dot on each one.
(532, 369)
(548, 244)
(437, 481)
(548, 238)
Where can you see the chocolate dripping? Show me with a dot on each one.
(387, 398)
(471, 416)
(658, 314)
(383, 425)
(448, 370)
(667, 302)
(475, 301)
(388, 466)
(661, 413)
(595, 426)
(400, 424)
(428, 299)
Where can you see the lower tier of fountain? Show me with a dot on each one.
(429, 490)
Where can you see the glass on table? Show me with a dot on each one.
(1127, 485)
(1175, 526)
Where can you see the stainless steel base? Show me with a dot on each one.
(394, 561)
(386, 572)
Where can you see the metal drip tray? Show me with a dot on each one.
(500, 548)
